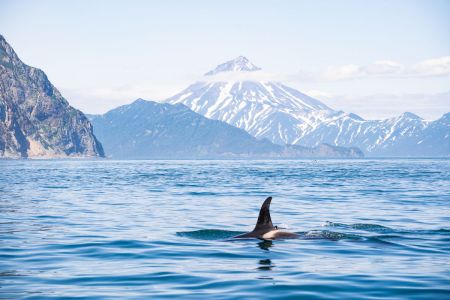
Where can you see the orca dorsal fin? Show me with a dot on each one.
(264, 221)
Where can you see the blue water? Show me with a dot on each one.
(370, 229)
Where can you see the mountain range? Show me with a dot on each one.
(228, 113)
(35, 120)
(147, 129)
(284, 115)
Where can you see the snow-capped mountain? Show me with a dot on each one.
(239, 64)
(264, 109)
(146, 129)
(234, 93)
(405, 135)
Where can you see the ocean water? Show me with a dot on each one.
(370, 229)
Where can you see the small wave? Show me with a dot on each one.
(209, 234)
(329, 235)
(49, 217)
(385, 230)
(360, 226)
(426, 232)
(203, 194)
(109, 244)
(55, 186)
(215, 234)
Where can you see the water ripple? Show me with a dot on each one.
(368, 229)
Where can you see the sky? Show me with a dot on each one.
(374, 58)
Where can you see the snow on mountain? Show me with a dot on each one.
(405, 135)
(146, 129)
(239, 64)
(269, 109)
(264, 109)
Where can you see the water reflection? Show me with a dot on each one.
(265, 265)
(10, 273)
(265, 245)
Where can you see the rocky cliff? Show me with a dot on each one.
(35, 120)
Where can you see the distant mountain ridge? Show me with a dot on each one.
(405, 135)
(284, 115)
(35, 120)
(147, 129)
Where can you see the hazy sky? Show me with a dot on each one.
(373, 58)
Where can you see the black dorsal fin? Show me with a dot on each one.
(264, 220)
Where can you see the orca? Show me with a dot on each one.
(264, 228)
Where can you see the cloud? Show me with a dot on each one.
(96, 100)
(342, 72)
(432, 67)
(319, 94)
(352, 71)
(240, 76)
(382, 68)
(101, 99)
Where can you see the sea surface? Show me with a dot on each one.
(102, 229)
